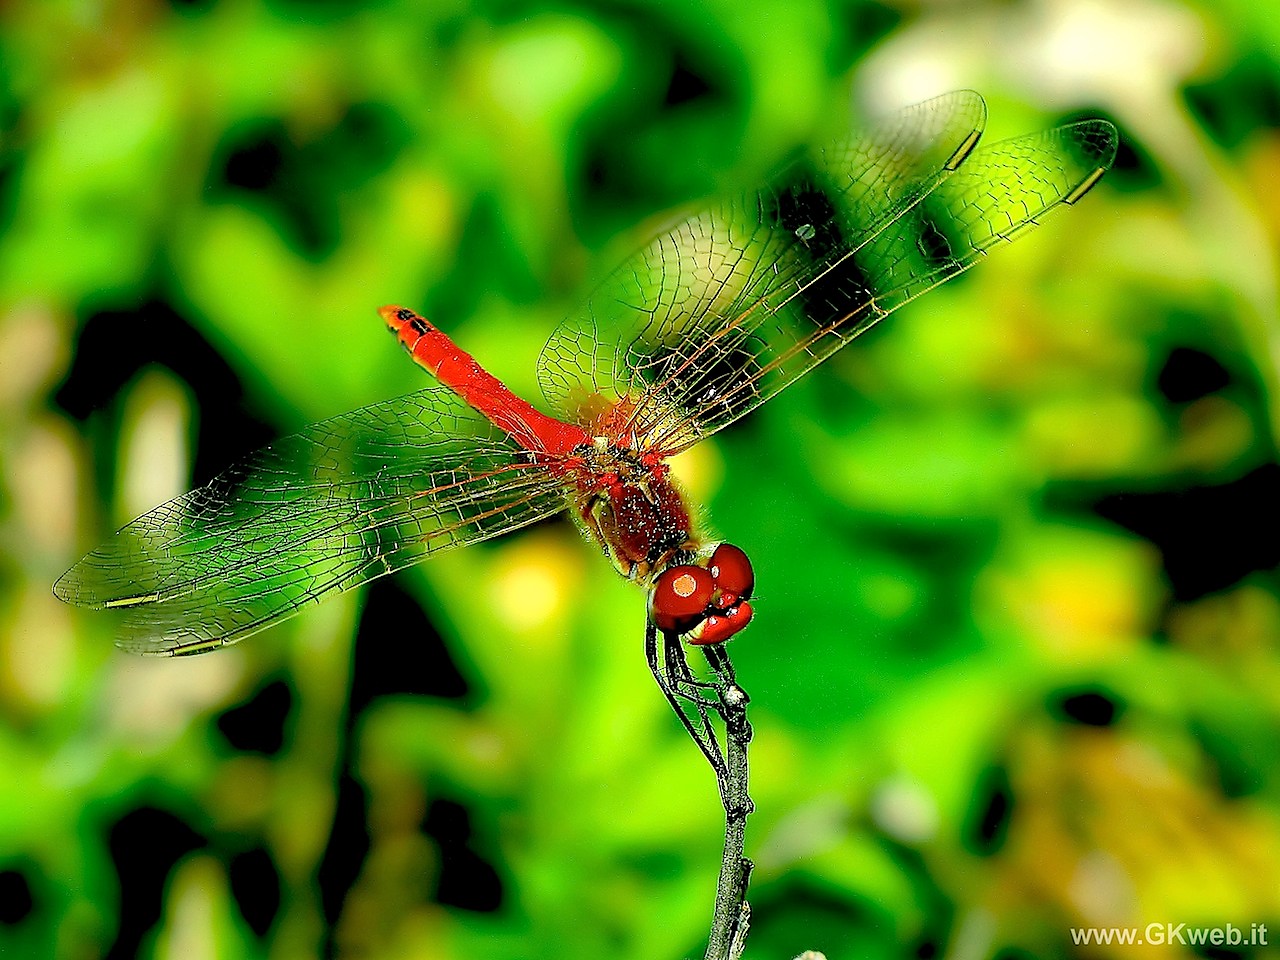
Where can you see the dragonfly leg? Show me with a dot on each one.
(693, 706)
(675, 679)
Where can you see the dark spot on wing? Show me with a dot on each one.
(937, 236)
(726, 377)
(802, 208)
(810, 217)
(933, 245)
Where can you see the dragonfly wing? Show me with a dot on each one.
(324, 510)
(715, 317)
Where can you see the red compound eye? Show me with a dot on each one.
(679, 598)
(719, 627)
(732, 573)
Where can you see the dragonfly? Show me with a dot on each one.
(695, 330)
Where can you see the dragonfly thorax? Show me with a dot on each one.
(629, 504)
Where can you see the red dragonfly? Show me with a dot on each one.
(695, 330)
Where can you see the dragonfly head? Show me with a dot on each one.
(707, 604)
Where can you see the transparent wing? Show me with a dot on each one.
(734, 304)
(342, 502)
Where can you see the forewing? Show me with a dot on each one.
(718, 315)
(324, 510)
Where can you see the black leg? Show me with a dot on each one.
(693, 701)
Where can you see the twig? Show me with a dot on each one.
(732, 911)
(692, 700)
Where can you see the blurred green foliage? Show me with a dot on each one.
(1015, 666)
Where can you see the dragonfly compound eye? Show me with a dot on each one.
(679, 599)
(732, 573)
(720, 626)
